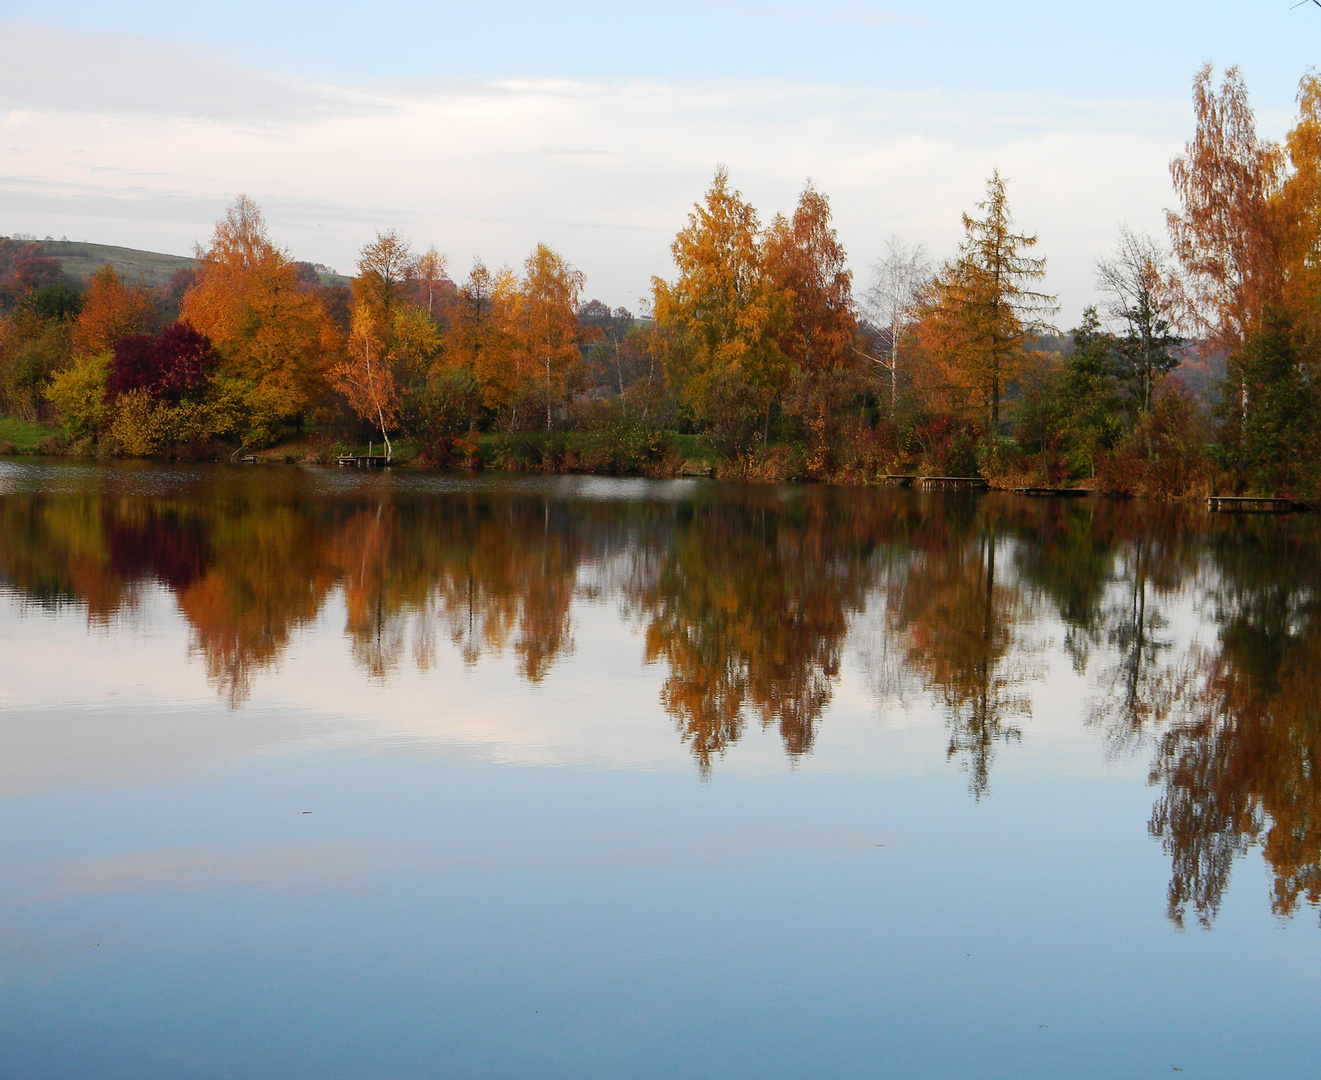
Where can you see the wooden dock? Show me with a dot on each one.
(1249, 504)
(927, 483)
(1054, 493)
(894, 480)
(364, 461)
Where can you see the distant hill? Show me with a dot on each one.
(81, 261)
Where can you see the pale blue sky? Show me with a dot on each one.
(1125, 48)
(485, 127)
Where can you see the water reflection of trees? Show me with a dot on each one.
(1199, 637)
(1238, 762)
(961, 619)
(748, 607)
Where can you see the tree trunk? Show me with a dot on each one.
(389, 450)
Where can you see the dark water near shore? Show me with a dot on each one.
(315, 774)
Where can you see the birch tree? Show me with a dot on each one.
(892, 299)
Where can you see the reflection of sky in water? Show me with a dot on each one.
(389, 860)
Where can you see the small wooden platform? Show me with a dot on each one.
(974, 482)
(364, 461)
(1054, 493)
(1248, 504)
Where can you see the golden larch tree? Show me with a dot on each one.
(981, 307)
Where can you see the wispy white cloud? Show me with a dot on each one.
(47, 69)
(605, 172)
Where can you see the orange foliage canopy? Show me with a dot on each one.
(723, 313)
(1228, 236)
(111, 310)
(268, 329)
(806, 262)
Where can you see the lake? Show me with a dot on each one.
(330, 774)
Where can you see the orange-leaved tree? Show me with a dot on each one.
(270, 331)
(1227, 235)
(481, 321)
(548, 330)
(368, 375)
(980, 308)
(111, 310)
(723, 317)
(1300, 199)
(806, 261)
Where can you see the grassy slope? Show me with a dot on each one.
(83, 260)
(24, 434)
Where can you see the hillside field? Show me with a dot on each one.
(82, 260)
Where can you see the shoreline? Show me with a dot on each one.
(686, 469)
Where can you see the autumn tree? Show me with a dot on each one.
(33, 347)
(549, 331)
(1226, 234)
(483, 334)
(386, 266)
(111, 310)
(365, 378)
(429, 276)
(981, 307)
(1246, 239)
(723, 315)
(805, 262)
(468, 319)
(389, 338)
(170, 367)
(269, 330)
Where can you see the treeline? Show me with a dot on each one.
(1195, 370)
(749, 604)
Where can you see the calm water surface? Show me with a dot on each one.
(330, 775)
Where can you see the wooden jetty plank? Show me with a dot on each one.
(951, 482)
(1254, 504)
(364, 461)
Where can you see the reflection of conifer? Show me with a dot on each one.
(960, 623)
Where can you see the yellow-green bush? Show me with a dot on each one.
(79, 395)
(145, 427)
